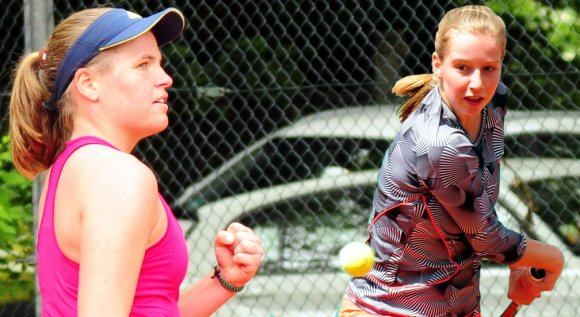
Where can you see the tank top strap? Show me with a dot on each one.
(56, 170)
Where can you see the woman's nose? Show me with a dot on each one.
(476, 81)
(166, 80)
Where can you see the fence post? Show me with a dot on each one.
(38, 24)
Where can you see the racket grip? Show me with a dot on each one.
(513, 308)
(537, 274)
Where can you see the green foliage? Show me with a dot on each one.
(542, 59)
(16, 237)
(560, 25)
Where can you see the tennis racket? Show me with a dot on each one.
(514, 307)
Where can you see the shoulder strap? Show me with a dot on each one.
(55, 172)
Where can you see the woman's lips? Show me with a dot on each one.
(473, 101)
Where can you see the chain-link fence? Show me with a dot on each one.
(281, 113)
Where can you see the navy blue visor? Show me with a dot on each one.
(114, 28)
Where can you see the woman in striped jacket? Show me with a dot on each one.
(434, 218)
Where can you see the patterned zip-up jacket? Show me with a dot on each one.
(434, 218)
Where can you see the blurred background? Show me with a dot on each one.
(280, 115)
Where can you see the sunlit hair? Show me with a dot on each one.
(473, 19)
(37, 134)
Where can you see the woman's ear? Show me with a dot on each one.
(436, 64)
(86, 84)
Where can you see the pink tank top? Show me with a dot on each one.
(163, 269)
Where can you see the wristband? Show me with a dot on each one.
(224, 283)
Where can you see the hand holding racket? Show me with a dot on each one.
(513, 308)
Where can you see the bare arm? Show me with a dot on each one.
(541, 255)
(203, 298)
(120, 208)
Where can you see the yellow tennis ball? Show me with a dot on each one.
(356, 258)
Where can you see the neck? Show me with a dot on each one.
(472, 125)
(115, 139)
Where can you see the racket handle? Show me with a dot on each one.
(513, 308)
(537, 274)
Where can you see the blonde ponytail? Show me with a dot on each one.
(28, 120)
(414, 88)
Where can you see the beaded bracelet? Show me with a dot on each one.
(224, 283)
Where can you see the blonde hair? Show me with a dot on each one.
(474, 19)
(37, 134)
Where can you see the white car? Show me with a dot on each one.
(307, 190)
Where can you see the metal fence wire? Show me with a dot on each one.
(281, 114)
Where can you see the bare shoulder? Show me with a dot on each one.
(109, 179)
(106, 165)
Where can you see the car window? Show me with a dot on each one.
(282, 160)
(557, 202)
(564, 146)
(304, 234)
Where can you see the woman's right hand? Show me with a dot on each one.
(524, 288)
(239, 253)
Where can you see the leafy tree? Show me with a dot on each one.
(560, 24)
(542, 59)
(16, 238)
